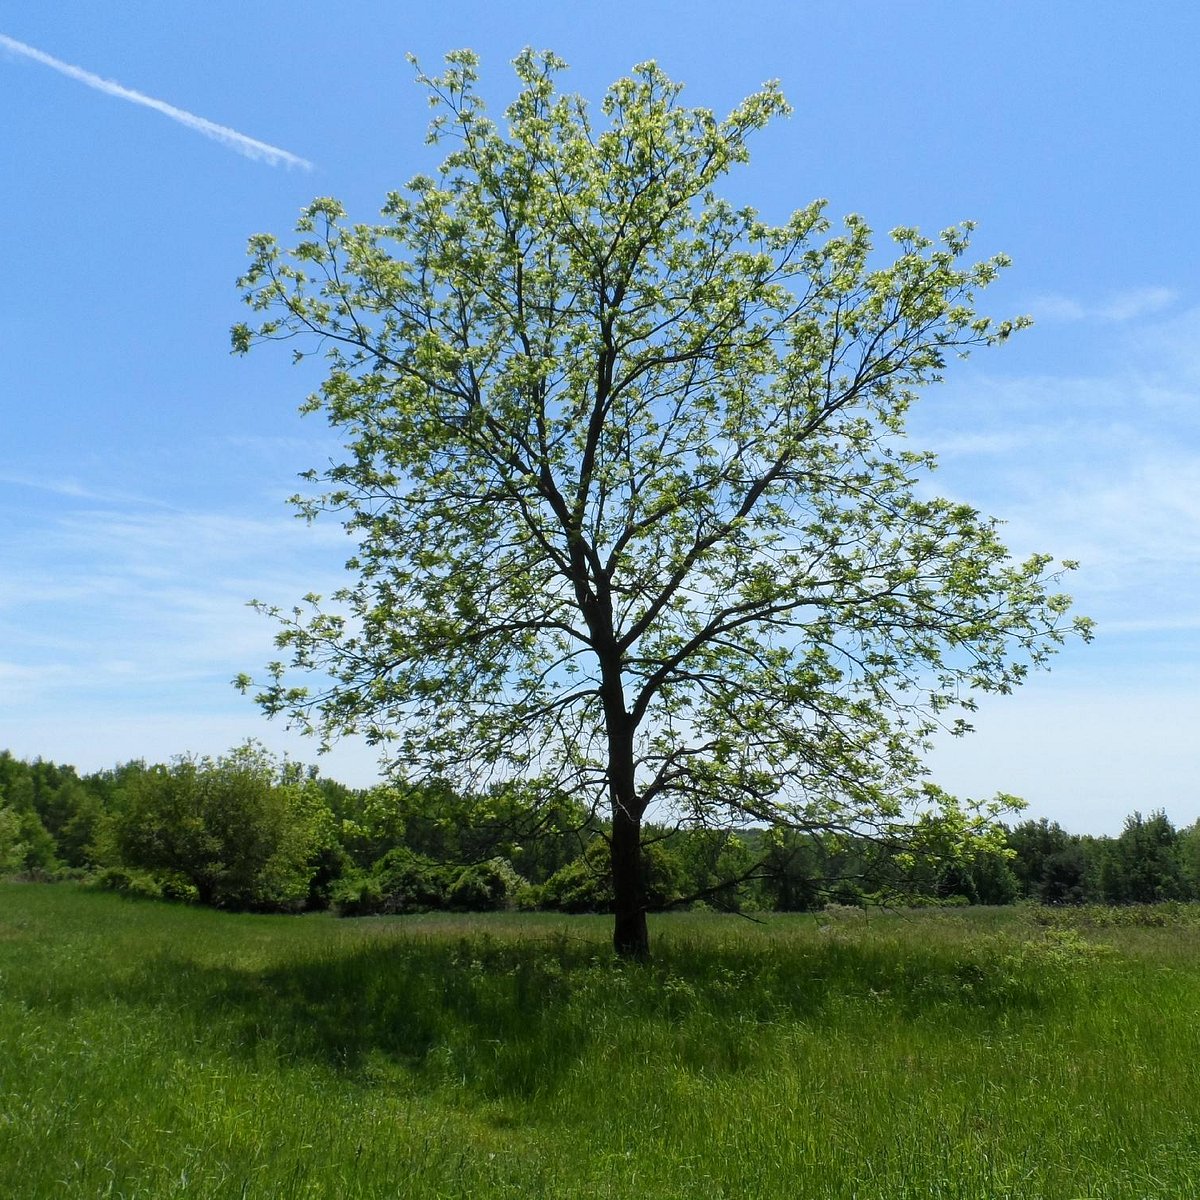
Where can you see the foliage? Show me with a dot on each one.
(714, 867)
(485, 887)
(25, 790)
(241, 830)
(499, 849)
(402, 881)
(586, 884)
(635, 519)
(12, 848)
(141, 885)
(356, 895)
(145, 885)
(1144, 862)
(1121, 916)
(988, 878)
(1050, 864)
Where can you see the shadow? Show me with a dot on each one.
(508, 1018)
(502, 1018)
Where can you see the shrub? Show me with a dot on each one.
(128, 882)
(12, 849)
(403, 881)
(357, 896)
(241, 830)
(585, 885)
(410, 882)
(484, 887)
(176, 886)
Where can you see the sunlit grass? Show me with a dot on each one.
(150, 1051)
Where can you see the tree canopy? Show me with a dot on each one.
(625, 465)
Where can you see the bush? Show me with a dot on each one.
(411, 882)
(240, 831)
(485, 887)
(176, 886)
(585, 885)
(527, 898)
(24, 843)
(128, 882)
(12, 848)
(403, 881)
(357, 896)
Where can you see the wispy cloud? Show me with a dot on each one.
(72, 489)
(248, 146)
(121, 630)
(1116, 308)
(1102, 467)
(163, 589)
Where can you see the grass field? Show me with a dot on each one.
(156, 1051)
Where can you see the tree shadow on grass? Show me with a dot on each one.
(504, 1018)
(511, 1018)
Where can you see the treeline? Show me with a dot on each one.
(247, 831)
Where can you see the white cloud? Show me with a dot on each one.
(961, 444)
(73, 489)
(141, 601)
(1137, 302)
(1116, 308)
(123, 609)
(1056, 308)
(123, 628)
(239, 142)
(1104, 469)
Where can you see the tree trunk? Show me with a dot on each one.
(631, 939)
(630, 936)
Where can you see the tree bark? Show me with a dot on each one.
(631, 938)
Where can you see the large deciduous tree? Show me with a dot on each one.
(626, 472)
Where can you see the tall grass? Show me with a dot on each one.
(151, 1051)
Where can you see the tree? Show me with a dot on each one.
(12, 848)
(1189, 858)
(626, 473)
(25, 840)
(242, 829)
(1144, 864)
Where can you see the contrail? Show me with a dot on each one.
(250, 147)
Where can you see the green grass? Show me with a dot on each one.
(156, 1051)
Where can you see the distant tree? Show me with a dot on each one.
(69, 811)
(1046, 861)
(1065, 875)
(716, 866)
(19, 795)
(624, 463)
(12, 849)
(1189, 858)
(987, 878)
(1144, 863)
(586, 884)
(795, 874)
(242, 829)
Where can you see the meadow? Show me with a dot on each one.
(150, 1050)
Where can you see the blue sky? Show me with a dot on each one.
(143, 471)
